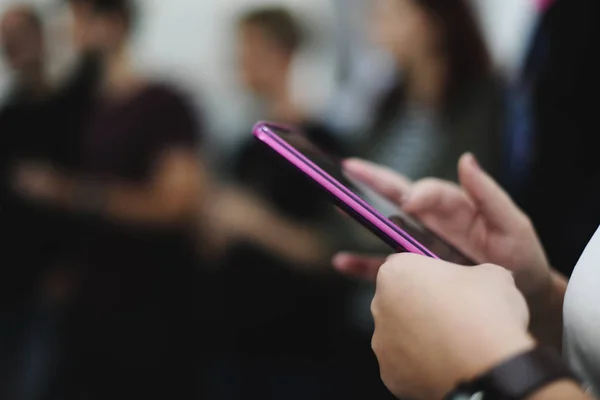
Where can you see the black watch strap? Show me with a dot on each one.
(519, 377)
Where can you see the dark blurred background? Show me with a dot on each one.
(150, 248)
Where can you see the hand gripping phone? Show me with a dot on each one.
(397, 229)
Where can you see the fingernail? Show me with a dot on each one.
(347, 161)
(474, 162)
(352, 163)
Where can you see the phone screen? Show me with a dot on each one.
(410, 225)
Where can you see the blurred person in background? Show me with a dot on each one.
(552, 139)
(446, 100)
(286, 312)
(23, 133)
(268, 42)
(40, 121)
(138, 189)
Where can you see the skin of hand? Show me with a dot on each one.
(173, 193)
(41, 182)
(438, 324)
(477, 217)
(237, 214)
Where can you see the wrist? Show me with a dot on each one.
(546, 295)
(485, 357)
(538, 300)
(559, 390)
(536, 374)
(546, 313)
(497, 352)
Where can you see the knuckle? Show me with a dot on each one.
(393, 266)
(525, 224)
(430, 181)
(425, 185)
(386, 269)
(391, 174)
(433, 184)
(375, 343)
(429, 189)
(392, 259)
(498, 272)
(399, 258)
(493, 268)
(488, 267)
(374, 307)
(397, 271)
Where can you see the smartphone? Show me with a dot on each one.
(400, 231)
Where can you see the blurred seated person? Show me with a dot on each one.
(446, 100)
(137, 191)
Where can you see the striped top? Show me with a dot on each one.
(414, 144)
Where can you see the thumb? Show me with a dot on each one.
(490, 199)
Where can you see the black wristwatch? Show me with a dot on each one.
(517, 378)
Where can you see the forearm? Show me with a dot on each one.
(239, 214)
(173, 193)
(129, 203)
(142, 205)
(563, 390)
(547, 314)
(291, 240)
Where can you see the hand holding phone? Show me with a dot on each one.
(476, 216)
(396, 228)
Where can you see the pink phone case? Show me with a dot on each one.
(354, 205)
